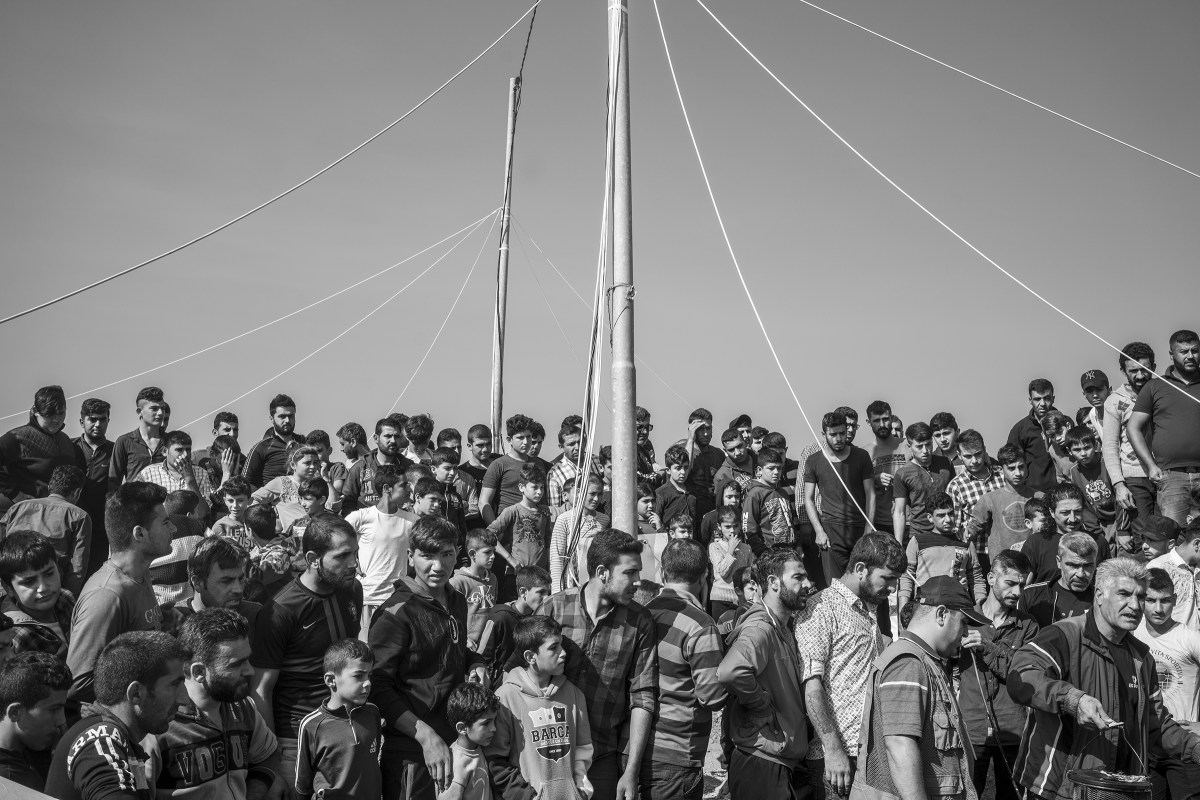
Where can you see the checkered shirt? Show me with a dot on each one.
(966, 490)
(174, 482)
(562, 471)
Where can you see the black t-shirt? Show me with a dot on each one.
(1127, 692)
(18, 767)
(503, 476)
(854, 469)
(97, 759)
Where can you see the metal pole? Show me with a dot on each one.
(514, 91)
(624, 489)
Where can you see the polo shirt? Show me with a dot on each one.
(269, 458)
(1174, 420)
(131, 455)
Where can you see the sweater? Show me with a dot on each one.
(28, 455)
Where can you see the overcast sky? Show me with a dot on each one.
(130, 127)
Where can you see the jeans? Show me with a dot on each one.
(404, 779)
(1001, 759)
(1144, 495)
(754, 778)
(1175, 499)
(605, 774)
(288, 751)
(821, 790)
(659, 781)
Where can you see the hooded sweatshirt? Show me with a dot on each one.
(543, 744)
(761, 670)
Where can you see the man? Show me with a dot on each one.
(978, 477)
(119, 598)
(1071, 593)
(1096, 390)
(993, 721)
(58, 517)
(294, 629)
(704, 460)
(570, 439)
(1085, 676)
(139, 684)
(609, 641)
(1027, 436)
(29, 453)
(1168, 412)
(688, 651)
(1133, 490)
(95, 452)
(886, 458)
(33, 694)
(134, 451)
(225, 423)
(217, 746)
(1065, 503)
(1176, 651)
(217, 573)
(738, 466)
(359, 489)
(761, 671)
(842, 474)
(916, 483)
(1180, 562)
(176, 472)
(269, 458)
(945, 438)
(914, 743)
(838, 639)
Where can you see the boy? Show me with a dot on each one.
(314, 494)
(729, 555)
(476, 581)
(384, 531)
(543, 742)
(334, 473)
(757, 434)
(499, 488)
(235, 492)
(274, 558)
(566, 571)
(522, 531)
(451, 438)
(1002, 512)
(428, 498)
(33, 693)
(677, 527)
(673, 497)
(444, 463)
(747, 595)
(941, 552)
(32, 583)
(338, 744)
(471, 709)
(945, 437)
(419, 430)
(647, 520)
(495, 642)
(917, 482)
(59, 518)
(766, 515)
(1100, 512)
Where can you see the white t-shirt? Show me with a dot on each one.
(382, 551)
(1177, 661)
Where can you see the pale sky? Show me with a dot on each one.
(130, 127)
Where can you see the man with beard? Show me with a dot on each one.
(913, 741)
(838, 638)
(1132, 488)
(29, 454)
(1071, 594)
(761, 671)
(217, 573)
(842, 474)
(610, 644)
(139, 684)
(564, 470)
(294, 629)
(359, 489)
(992, 719)
(738, 465)
(270, 458)
(886, 459)
(1085, 676)
(218, 746)
(1167, 413)
(1028, 437)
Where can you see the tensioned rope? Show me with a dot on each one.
(1011, 94)
(282, 194)
(742, 278)
(289, 315)
(449, 313)
(946, 226)
(361, 320)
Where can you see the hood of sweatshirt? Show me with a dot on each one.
(518, 677)
(466, 573)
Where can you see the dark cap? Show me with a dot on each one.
(946, 591)
(1093, 377)
(1156, 528)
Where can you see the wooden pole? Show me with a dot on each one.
(514, 92)
(624, 447)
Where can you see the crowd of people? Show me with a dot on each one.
(895, 615)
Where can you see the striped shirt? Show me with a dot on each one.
(169, 573)
(966, 490)
(689, 652)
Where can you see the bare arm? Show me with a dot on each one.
(899, 506)
(1136, 430)
(639, 734)
(869, 492)
(485, 504)
(810, 508)
(837, 764)
(904, 757)
(264, 688)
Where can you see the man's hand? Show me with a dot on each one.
(228, 460)
(1125, 541)
(1123, 496)
(973, 640)
(822, 539)
(437, 759)
(694, 426)
(885, 479)
(1091, 714)
(837, 771)
(1155, 473)
(627, 787)
(478, 674)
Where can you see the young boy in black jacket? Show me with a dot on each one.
(495, 643)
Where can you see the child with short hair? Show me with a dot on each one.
(334, 472)
(747, 595)
(476, 581)
(522, 531)
(678, 526)
(59, 518)
(428, 497)
(1002, 530)
(274, 558)
(235, 493)
(731, 495)
(384, 531)
(444, 463)
(471, 709)
(314, 495)
(941, 552)
(543, 742)
(33, 693)
(451, 438)
(499, 488)
(1101, 516)
(337, 756)
(729, 554)
(564, 572)
(647, 521)
(917, 482)
(766, 513)
(495, 642)
(418, 429)
(673, 497)
(32, 583)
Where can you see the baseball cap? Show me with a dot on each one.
(1156, 528)
(1093, 377)
(946, 591)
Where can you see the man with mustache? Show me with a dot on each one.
(1132, 488)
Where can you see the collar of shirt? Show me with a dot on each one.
(850, 597)
(687, 597)
(1177, 561)
(919, 642)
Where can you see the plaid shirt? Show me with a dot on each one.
(612, 661)
(562, 471)
(966, 490)
(31, 636)
(174, 481)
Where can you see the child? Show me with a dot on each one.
(495, 642)
(444, 463)
(648, 522)
(566, 567)
(1100, 512)
(333, 472)
(337, 746)
(677, 527)
(235, 493)
(303, 463)
(59, 518)
(747, 595)
(673, 498)
(33, 692)
(476, 581)
(522, 531)
(941, 553)
(729, 555)
(274, 558)
(757, 434)
(500, 486)
(314, 495)
(471, 709)
(451, 438)
(543, 743)
(168, 573)
(32, 584)
(419, 430)
(731, 495)
(383, 531)
(766, 515)
(428, 496)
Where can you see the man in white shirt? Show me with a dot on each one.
(383, 535)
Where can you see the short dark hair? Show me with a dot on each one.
(130, 506)
(95, 407)
(181, 501)
(386, 476)
(918, 432)
(775, 441)
(943, 419)
(448, 435)
(468, 703)
(607, 548)
(771, 561)
(847, 412)
(50, 400)
(280, 401)
(741, 577)
(1136, 351)
(1013, 560)
(729, 514)
(339, 654)
(758, 432)
(532, 632)
(141, 656)
(66, 478)
(352, 430)
(319, 535)
(1040, 385)
(418, 429)
(1080, 434)
(684, 561)
(1035, 506)
(151, 394)
(432, 533)
(878, 551)
(645, 490)
(24, 550)
(478, 430)
(226, 417)
(532, 472)
(532, 576)
(1183, 337)
(676, 454)
(443, 455)
(941, 502)
(1063, 491)
(28, 678)
(1160, 581)
(313, 487)
(262, 520)
(237, 486)
(317, 437)
(518, 423)
(1009, 454)
(730, 434)
(480, 537)
(215, 551)
(972, 439)
(832, 419)
(640, 414)
(769, 456)
(203, 633)
(569, 429)
(428, 485)
(702, 414)
(878, 407)
(176, 437)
